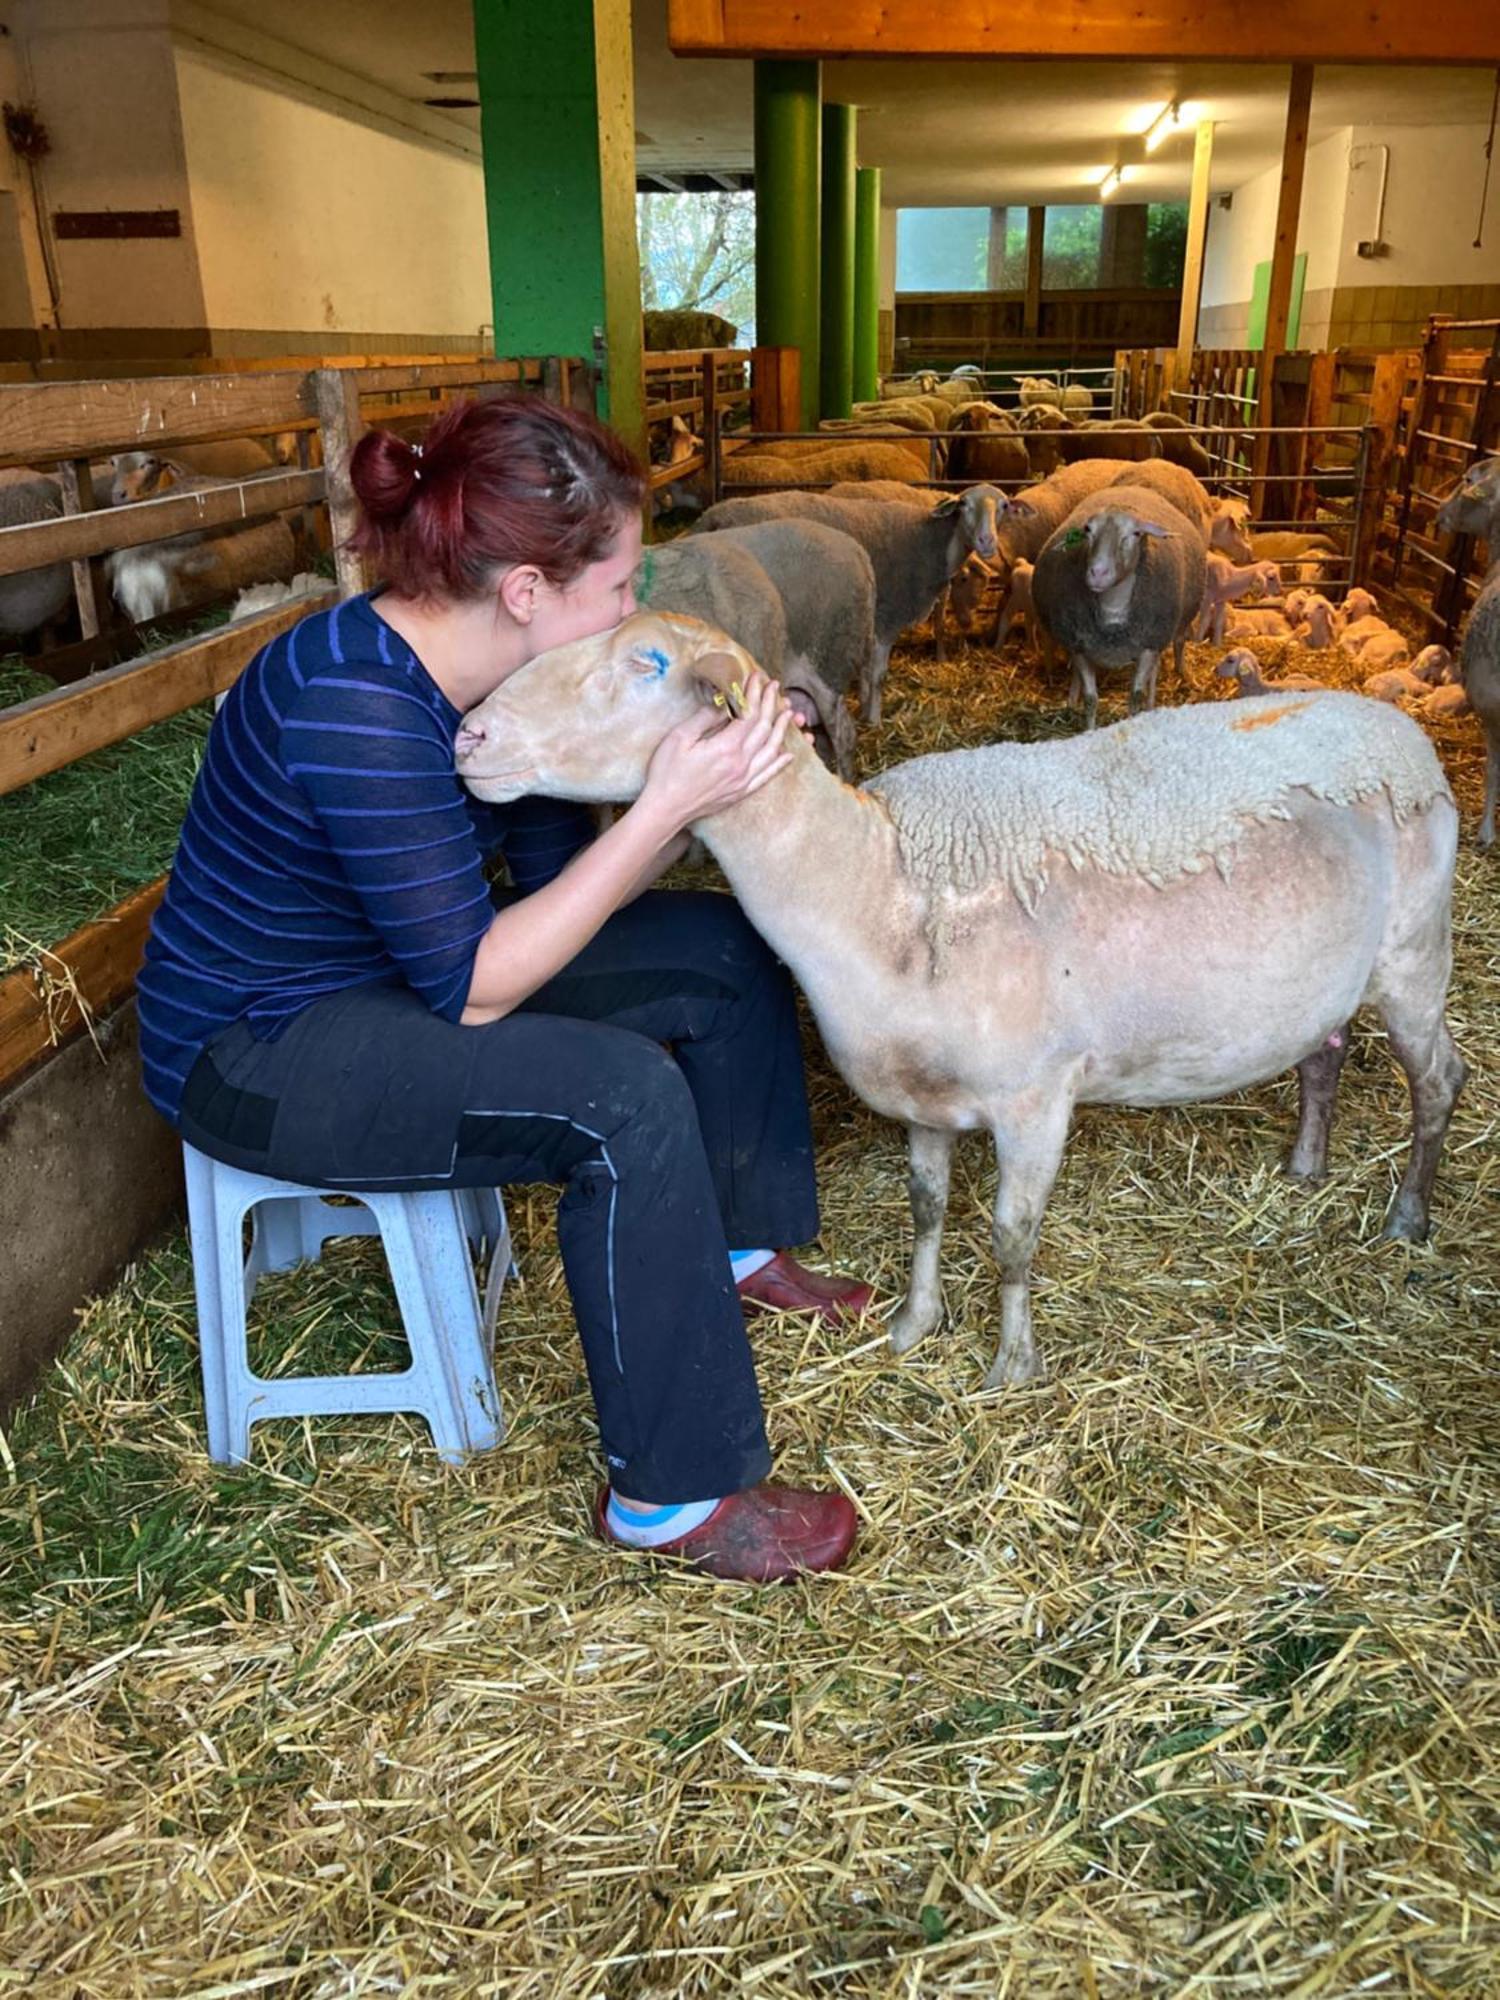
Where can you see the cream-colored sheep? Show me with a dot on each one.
(1158, 913)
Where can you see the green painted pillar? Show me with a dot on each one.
(787, 96)
(556, 107)
(836, 264)
(867, 284)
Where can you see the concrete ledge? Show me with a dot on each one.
(87, 1172)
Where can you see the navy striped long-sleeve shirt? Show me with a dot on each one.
(328, 843)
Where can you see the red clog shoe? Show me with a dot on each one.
(784, 1285)
(763, 1535)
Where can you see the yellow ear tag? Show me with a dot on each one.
(734, 701)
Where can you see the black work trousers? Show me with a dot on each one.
(666, 1159)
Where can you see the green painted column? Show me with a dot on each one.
(836, 264)
(787, 134)
(556, 107)
(867, 284)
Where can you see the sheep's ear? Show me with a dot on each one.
(720, 680)
(949, 505)
(1022, 507)
(1155, 528)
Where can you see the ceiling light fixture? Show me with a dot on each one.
(1163, 125)
(1114, 180)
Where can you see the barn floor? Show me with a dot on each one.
(1178, 1674)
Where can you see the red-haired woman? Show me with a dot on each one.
(332, 995)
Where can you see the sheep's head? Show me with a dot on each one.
(1358, 603)
(1434, 664)
(1240, 665)
(139, 475)
(975, 516)
(1112, 539)
(1230, 530)
(582, 721)
(1470, 507)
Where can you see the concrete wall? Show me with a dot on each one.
(310, 223)
(1431, 265)
(87, 1172)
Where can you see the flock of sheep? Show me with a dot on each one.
(1111, 559)
(1183, 905)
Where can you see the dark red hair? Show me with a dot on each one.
(510, 480)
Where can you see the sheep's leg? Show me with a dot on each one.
(1029, 1155)
(1143, 686)
(1317, 1086)
(1179, 654)
(940, 625)
(1435, 1073)
(1491, 788)
(872, 680)
(921, 1309)
(1083, 685)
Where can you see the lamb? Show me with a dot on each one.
(1116, 584)
(1314, 621)
(32, 598)
(1257, 625)
(726, 580)
(1359, 603)
(1374, 644)
(1225, 584)
(1434, 665)
(1242, 667)
(1439, 703)
(1160, 913)
(1394, 684)
(915, 553)
(1473, 508)
(1019, 609)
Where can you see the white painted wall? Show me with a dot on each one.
(308, 220)
(1432, 205)
(1244, 235)
(102, 72)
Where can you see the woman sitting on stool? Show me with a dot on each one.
(332, 996)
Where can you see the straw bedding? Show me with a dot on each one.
(1174, 1675)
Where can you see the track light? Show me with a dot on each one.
(1163, 125)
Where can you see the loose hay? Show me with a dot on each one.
(1176, 1675)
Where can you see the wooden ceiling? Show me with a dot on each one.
(1344, 31)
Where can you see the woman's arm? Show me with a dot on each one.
(701, 767)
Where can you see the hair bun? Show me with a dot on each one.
(386, 474)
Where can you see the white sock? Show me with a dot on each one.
(745, 1263)
(660, 1524)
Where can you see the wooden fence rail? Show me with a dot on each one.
(73, 426)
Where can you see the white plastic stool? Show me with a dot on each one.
(451, 1379)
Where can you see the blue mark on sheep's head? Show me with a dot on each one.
(654, 656)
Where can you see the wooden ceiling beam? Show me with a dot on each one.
(1333, 31)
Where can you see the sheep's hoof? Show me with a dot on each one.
(907, 1328)
(1406, 1223)
(1306, 1173)
(1014, 1371)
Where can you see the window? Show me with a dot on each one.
(1070, 248)
(1166, 244)
(942, 249)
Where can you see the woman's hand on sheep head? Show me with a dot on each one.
(708, 762)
